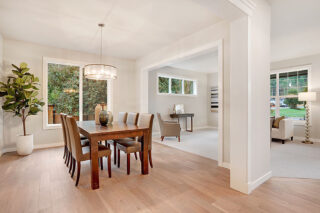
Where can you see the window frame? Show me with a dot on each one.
(48, 60)
(277, 97)
(195, 85)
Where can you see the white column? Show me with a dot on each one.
(249, 99)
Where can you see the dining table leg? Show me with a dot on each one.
(94, 164)
(144, 151)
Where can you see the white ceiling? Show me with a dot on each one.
(295, 28)
(133, 27)
(205, 63)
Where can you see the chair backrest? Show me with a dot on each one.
(122, 117)
(146, 120)
(132, 118)
(160, 121)
(74, 137)
(63, 128)
(64, 117)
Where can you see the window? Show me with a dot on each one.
(66, 90)
(284, 88)
(163, 85)
(176, 86)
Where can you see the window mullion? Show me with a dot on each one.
(81, 94)
(277, 113)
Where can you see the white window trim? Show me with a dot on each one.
(46, 61)
(195, 85)
(277, 97)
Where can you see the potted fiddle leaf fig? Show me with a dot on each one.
(20, 97)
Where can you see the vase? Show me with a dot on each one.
(103, 116)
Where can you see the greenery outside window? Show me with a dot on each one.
(163, 85)
(176, 86)
(188, 87)
(66, 90)
(284, 88)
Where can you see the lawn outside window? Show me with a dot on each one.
(173, 85)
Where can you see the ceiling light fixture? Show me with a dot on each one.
(100, 71)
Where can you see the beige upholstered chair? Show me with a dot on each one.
(133, 146)
(169, 128)
(284, 132)
(122, 117)
(80, 153)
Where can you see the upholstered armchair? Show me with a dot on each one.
(284, 132)
(169, 128)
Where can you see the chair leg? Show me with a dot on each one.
(162, 137)
(150, 159)
(109, 166)
(71, 164)
(101, 163)
(128, 164)
(74, 167)
(179, 138)
(283, 141)
(65, 152)
(140, 156)
(118, 158)
(135, 155)
(68, 158)
(292, 138)
(114, 152)
(78, 172)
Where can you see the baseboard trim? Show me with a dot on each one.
(225, 165)
(254, 184)
(195, 128)
(316, 140)
(36, 146)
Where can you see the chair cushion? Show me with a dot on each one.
(103, 151)
(129, 146)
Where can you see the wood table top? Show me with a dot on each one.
(91, 128)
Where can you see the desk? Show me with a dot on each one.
(184, 115)
(96, 133)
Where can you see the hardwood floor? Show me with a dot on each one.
(179, 182)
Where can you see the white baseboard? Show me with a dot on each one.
(225, 165)
(36, 146)
(254, 184)
(195, 128)
(316, 140)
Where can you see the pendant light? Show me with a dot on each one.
(100, 71)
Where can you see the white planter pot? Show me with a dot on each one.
(24, 144)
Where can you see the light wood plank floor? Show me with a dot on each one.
(179, 182)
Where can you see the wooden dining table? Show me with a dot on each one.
(117, 130)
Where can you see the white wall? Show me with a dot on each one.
(125, 87)
(192, 43)
(314, 61)
(163, 104)
(1, 101)
(249, 106)
(212, 81)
